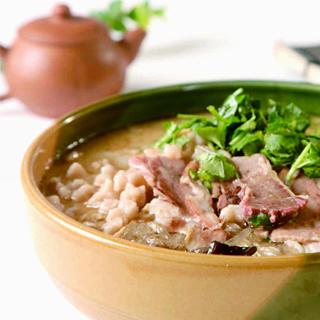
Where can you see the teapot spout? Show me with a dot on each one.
(3, 52)
(130, 44)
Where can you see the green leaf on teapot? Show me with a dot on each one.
(143, 13)
(118, 18)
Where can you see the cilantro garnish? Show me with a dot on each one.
(242, 126)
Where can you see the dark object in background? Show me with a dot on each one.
(62, 62)
(304, 61)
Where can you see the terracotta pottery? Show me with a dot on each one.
(61, 62)
(113, 279)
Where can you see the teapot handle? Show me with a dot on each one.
(3, 52)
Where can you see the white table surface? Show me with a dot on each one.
(199, 40)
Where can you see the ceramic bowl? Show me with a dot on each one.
(109, 278)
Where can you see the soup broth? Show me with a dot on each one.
(123, 185)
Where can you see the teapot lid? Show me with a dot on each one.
(63, 28)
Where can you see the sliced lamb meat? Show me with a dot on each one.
(163, 176)
(197, 199)
(227, 194)
(301, 230)
(257, 164)
(308, 187)
(170, 180)
(263, 192)
(306, 228)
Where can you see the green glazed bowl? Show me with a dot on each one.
(109, 278)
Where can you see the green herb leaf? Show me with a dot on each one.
(223, 128)
(232, 102)
(114, 16)
(247, 142)
(284, 133)
(193, 174)
(244, 139)
(117, 18)
(173, 130)
(308, 160)
(172, 136)
(143, 13)
(216, 115)
(290, 117)
(260, 220)
(238, 104)
(249, 125)
(282, 147)
(181, 140)
(216, 135)
(253, 144)
(214, 166)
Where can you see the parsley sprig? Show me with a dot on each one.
(213, 166)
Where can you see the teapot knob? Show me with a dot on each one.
(61, 11)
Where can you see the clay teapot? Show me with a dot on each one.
(63, 62)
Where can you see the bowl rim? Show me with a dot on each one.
(44, 207)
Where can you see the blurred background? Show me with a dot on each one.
(196, 41)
